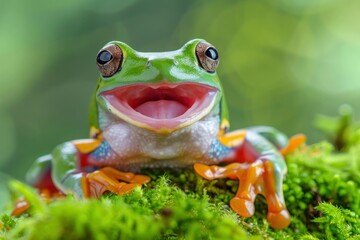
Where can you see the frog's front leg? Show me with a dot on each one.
(260, 169)
(107, 179)
(247, 174)
(254, 178)
(72, 173)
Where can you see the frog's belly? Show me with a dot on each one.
(129, 147)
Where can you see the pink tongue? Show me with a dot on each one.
(161, 109)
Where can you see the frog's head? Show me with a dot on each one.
(161, 92)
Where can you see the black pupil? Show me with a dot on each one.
(104, 57)
(211, 53)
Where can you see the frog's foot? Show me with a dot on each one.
(243, 202)
(279, 220)
(22, 205)
(278, 216)
(254, 178)
(109, 179)
(248, 174)
(213, 172)
(294, 142)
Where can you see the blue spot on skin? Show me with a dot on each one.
(219, 151)
(102, 152)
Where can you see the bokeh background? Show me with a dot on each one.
(282, 61)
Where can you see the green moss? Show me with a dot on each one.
(181, 205)
(160, 211)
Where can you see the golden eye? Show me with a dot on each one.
(207, 56)
(109, 60)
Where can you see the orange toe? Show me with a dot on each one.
(294, 142)
(140, 179)
(125, 188)
(279, 220)
(21, 206)
(242, 206)
(204, 171)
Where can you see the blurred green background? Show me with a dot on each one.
(282, 61)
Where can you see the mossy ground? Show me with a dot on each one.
(322, 193)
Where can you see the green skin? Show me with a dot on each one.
(186, 69)
(152, 68)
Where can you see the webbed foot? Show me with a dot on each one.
(110, 179)
(22, 205)
(254, 178)
(294, 142)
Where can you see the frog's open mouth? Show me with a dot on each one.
(161, 107)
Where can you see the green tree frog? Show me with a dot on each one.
(166, 110)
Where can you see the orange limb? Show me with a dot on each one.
(22, 205)
(294, 142)
(243, 202)
(110, 179)
(278, 216)
(214, 172)
(254, 178)
(248, 174)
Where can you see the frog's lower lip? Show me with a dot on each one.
(162, 107)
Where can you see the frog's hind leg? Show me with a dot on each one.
(38, 176)
(293, 143)
(284, 144)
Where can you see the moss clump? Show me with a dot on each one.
(322, 192)
(160, 211)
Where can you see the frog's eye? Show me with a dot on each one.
(109, 60)
(207, 56)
